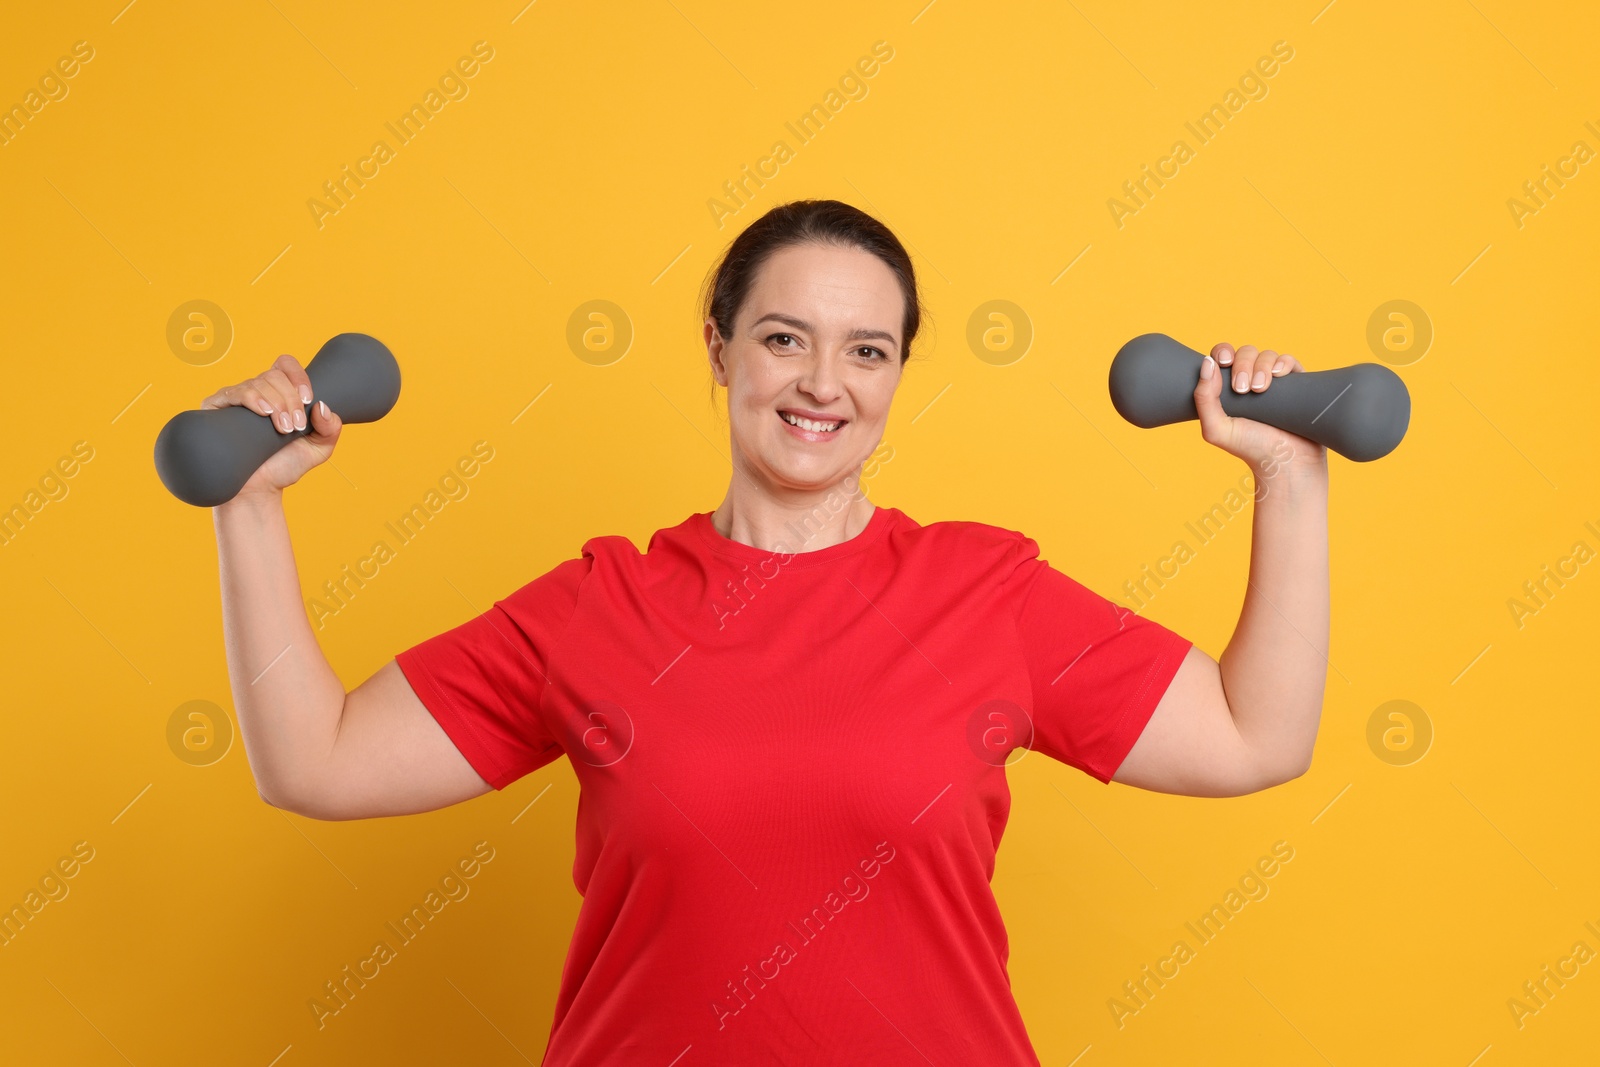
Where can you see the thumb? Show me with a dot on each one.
(325, 427)
(1215, 424)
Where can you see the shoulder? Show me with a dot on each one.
(615, 560)
(553, 593)
(973, 540)
(564, 581)
(967, 552)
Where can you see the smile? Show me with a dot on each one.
(812, 425)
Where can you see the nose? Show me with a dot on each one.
(820, 379)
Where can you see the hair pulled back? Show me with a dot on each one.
(799, 222)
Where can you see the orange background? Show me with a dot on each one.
(1377, 164)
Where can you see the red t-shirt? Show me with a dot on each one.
(792, 773)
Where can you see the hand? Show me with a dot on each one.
(281, 392)
(1266, 448)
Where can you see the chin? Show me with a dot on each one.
(809, 477)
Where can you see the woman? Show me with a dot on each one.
(789, 717)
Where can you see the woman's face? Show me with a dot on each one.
(818, 337)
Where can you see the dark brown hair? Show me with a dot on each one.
(798, 222)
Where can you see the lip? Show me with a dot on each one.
(818, 416)
(812, 435)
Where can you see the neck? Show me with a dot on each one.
(799, 524)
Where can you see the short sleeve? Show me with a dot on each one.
(483, 680)
(1097, 670)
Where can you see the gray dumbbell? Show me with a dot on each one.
(1360, 411)
(205, 456)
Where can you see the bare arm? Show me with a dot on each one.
(312, 748)
(1250, 721)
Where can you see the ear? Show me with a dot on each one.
(714, 346)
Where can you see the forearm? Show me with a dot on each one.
(287, 697)
(1274, 669)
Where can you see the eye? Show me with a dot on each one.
(770, 336)
(868, 348)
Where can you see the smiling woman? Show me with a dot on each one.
(729, 772)
(809, 319)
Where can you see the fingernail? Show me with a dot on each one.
(1226, 357)
(299, 418)
(1279, 369)
(1207, 368)
(1261, 379)
(283, 421)
(1240, 380)
(305, 394)
(324, 408)
(266, 408)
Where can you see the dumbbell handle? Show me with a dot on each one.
(204, 457)
(1360, 411)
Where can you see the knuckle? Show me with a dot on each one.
(287, 393)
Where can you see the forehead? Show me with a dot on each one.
(827, 283)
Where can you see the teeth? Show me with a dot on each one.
(808, 424)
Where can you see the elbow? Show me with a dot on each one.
(1301, 763)
(273, 795)
(279, 798)
(1286, 770)
(300, 801)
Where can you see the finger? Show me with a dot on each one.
(245, 394)
(297, 376)
(1214, 422)
(324, 423)
(1286, 363)
(1265, 367)
(1223, 353)
(1243, 360)
(291, 415)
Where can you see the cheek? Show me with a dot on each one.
(761, 385)
(875, 407)
(756, 401)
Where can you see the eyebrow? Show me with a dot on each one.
(860, 333)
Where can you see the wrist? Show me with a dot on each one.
(1297, 460)
(255, 502)
(1292, 481)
